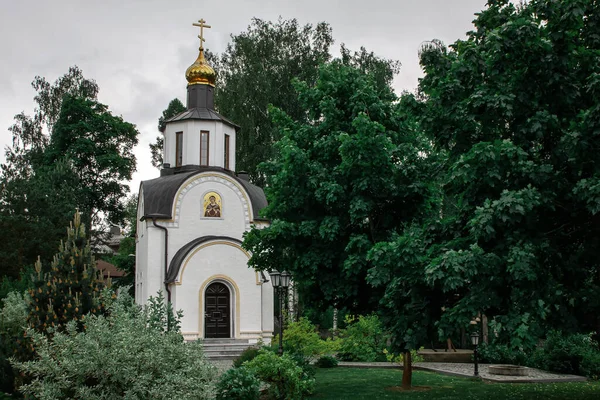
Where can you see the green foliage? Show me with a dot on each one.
(125, 355)
(302, 339)
(363, 339)
(69, 288)
(31, 221)
(98, 147)
(326, 362)
(71, 154)
(255, 71)
(124, 260)
(516, 233)
(13, 320)
(20, 284)
(247, 355)
(415, 357)
(285, 378)
(160, 315)
(175, 107)
(238, 384)
(571, 354)
(340, 183)
(501, 354)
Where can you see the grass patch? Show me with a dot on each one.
(374, 384)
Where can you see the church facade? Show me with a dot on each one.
(191, 222)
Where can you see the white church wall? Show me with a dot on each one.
(191, 142)
(191, 222)
(155, 275)
(141, 252)
(268, 310)
(224, 262)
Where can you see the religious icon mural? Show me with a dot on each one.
(212, 205)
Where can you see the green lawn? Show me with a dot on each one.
(374, 384)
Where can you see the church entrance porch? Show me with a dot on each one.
(217, 311)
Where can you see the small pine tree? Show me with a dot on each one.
(69, 288)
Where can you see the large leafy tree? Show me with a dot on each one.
(345, 179)
(98, 146)
(71, 153)
(515, 106)
(256, 70)
(349, 177)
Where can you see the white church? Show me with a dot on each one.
(191, 220)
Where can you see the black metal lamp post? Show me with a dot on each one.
(475, 342)
(280, 281)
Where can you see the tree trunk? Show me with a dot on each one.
(407, 371)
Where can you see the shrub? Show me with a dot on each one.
(238, 384)
(118, 356)
(326, 362)
(301, 338)
(70, 287)
(572, 354)
(13, 320)
(364, 339)
(247, 355)
(285, 378)
(501, 354)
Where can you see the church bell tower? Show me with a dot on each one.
(199, 136)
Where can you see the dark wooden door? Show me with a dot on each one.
(216, 311)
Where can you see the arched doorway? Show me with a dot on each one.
(217, 311)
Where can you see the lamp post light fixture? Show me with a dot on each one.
(280, 281)
(475, 342)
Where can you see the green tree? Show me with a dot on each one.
(69, 288)
(515, 106)
(352, 176)
(256, 70)
(125, 258)
(99, 148)
(175, 107)
(72, 153)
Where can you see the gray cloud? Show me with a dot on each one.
(138, 51)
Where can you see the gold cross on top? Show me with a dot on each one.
(202, 25)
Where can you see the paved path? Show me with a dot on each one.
(466, 370)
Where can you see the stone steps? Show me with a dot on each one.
(224, 349)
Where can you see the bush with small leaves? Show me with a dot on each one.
(247, 355)
(238, 384)
(128, 354)
(13, 320)
(569, 353)
(364, 339)
(493, 353)
(327, 362)
(285, 378)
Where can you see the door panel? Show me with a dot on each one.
(217, 321)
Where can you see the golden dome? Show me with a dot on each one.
(200, 73)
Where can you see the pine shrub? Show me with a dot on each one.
(69, 288)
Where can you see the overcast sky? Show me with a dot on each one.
(138, 50)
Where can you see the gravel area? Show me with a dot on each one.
(466, 370)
